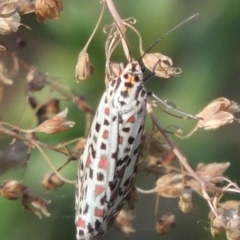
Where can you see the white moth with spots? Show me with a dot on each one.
(108, 165)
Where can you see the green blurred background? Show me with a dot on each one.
(207, 49)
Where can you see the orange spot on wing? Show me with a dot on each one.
(88, 162)
(131, 119)
(120, 140)
(103, 162)
(80, 223)
(107, 111)
(98, 190)
(105, 134)
(99, 213)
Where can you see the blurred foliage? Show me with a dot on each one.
(208, 51)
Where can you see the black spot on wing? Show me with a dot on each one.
(100, 177)
(97, 126)
(106, 122)
(86, 209)
(131, 140)
(97, 224)
(103, 146)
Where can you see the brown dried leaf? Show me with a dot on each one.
(35, 204)
(84, 68)
(48, 9)
(12, 189)
(123, 222)
(169, 185)
(217, 113)
(165, 223)
(56, 124)
(210, 170)
(160, 64)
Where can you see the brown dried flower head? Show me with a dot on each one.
(217, 113)
(12, 189)
(217, 224)
(9, 17)
(56, 124)
(35, 204)
(169, 185)
(123, 222)
(45, 111)
(233, 228)
(84, 68)
(161, 65)
(211, 172)
(185, 203)
(48, 9)
(36, 80)
(52, 181)
(165, 223)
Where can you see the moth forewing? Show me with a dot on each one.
(108, 164)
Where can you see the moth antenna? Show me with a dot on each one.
(166, 34)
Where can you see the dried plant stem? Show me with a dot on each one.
(122, 29)
(51, 165)
(33, 142)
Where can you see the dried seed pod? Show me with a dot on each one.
(165, 223)
(123, 222)
(84, 68)
(233, 228)
(48, 9)
(12, 189)
(36, 80)
(9, 17)
(46, 111)
(185, 203)
(217, 113)
(217, 224)
(52, 181)
(160, 64)
(56, 124)
(35, 204)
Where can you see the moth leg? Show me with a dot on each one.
(171, 107)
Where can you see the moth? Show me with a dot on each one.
(108, 165)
